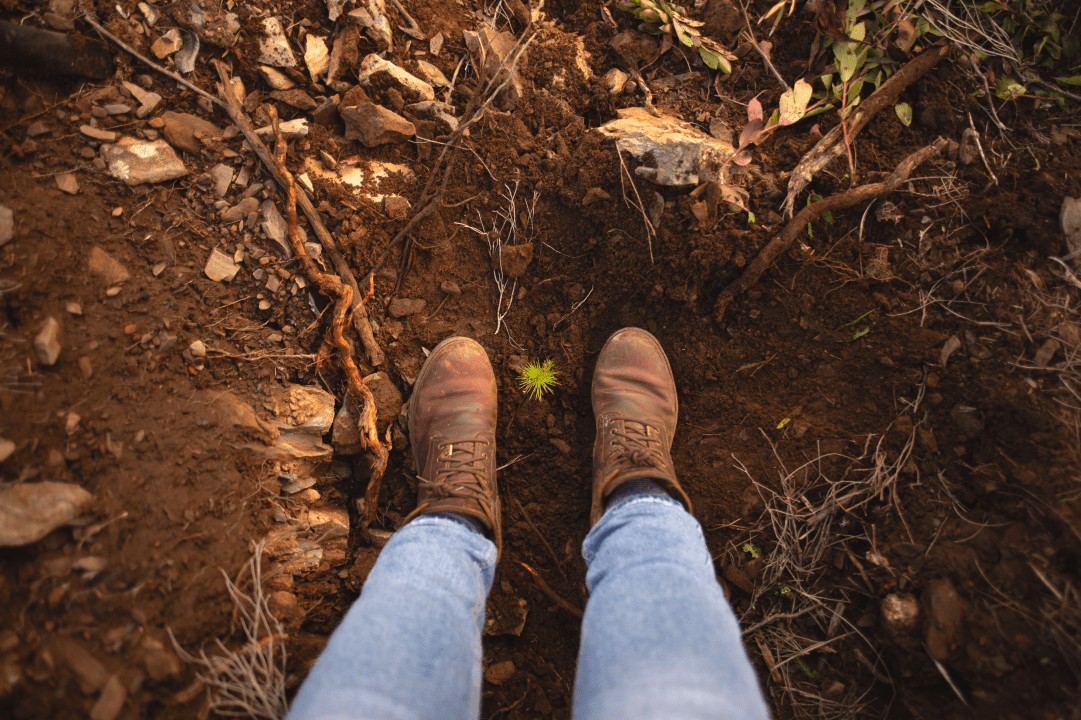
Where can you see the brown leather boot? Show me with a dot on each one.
(635, 403)
(452, 416)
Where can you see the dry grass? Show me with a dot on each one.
(249, 681)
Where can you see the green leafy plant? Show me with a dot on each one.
(752, 549)
(670, 20)
(538, 378)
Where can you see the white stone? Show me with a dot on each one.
(220, 267)
(431, 74)
(150, 13)
(316, 57)
(276, 79)
(223, 176)
(7, 225)
(67, 183)
(681, 154)
(135, 162)
(290, 130)
(615, 79)
(375, 69)
(47, 342)
(71, 422)
(30, 511)
(274, 47)
(276, 228)
(197, 349)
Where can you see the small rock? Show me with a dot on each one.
(220, 267)
(223, 177)
(7, 225)
(315, 56)
(382, 75)
(1047, 352)
(900, 613)
(296, 98)
(183, 131)
(240, 211)
(117, 109)
(136, 162)
(30, 511)
(7, 447)
(499, 673)
(91, 564)
(89, 673)
(74, 308)
(197, 349)
(437, 112)
(71, 423)
(158, 268)
(67, 183)
(111, 701)
(594, 194)
(276, 228)
(290, 130)
(282, 604)
(450, 288)
(388, 399)
(276, 79)
(614, 81)
(952, 345)
(35, 129)
(513, 260)
(161, 663)
(328, 160)
(85, 367)
(374, 125)
(969, 152)
(967, 420)
(431, 74)
(736, 576)
(167, 44)
(404, 307)
(274, 46)
(47, 342)
(98, 134)
(1069, 218)
(396, 206)
(346, 436)
(656, 208)
(946, 610)
(633, 48)
(560, 445)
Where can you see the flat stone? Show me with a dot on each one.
(148, 101)
(276, 228)
(223, 177)
(47, 342)
(282, 604)
(110, 270)
(30, 511)
(67, 183)
(404, 307)
(307, 409)
(150, 13)
(290, 130)
(396, 206)
(296, 98)
(382, 75)
(678, 153)
(183, 130)
(118, 109)
(513, 260)
(346, 436)
(276, 79)
(316, 56)
(220, 267)
(374, 125)
(615, 80)
(1046, 353)
(136, 162)
(167, 44)
(633, 48)
(240, 211)
(7, 225)
(437, 112)
(274, 47)
(450, 288)
(431, 74)
(345, 53)
(36, 129)
(98, 134)
(594, 194)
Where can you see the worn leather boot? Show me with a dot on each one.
(635, 403)
(452, 416)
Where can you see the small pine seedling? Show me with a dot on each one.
(538, 378)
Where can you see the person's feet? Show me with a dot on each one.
(452, 417)
(635, 403)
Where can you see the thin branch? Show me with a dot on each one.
(765, 57)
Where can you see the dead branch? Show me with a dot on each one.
(150, 63)
(551, 552)
(832, 146)
(856, 196)
(552, 593)
(429, 199)
(360, 313)
(755, 45)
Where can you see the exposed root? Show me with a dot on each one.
(250, 681)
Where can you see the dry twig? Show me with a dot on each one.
(755, 45)
(552, 593)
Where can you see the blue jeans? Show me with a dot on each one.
(658, 638)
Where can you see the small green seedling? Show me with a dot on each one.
(538, 378)
(752, 549)
(781, 425)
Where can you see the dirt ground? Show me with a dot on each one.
(885, 463)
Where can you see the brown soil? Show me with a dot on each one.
(788, 394)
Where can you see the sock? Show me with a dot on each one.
(471, 522)
(634, 488)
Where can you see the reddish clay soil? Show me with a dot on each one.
(826, 378)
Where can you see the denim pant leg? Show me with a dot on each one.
(410, 647)
(659, 640)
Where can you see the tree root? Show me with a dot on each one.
(782, 242)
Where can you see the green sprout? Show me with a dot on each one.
(538, 378)
(752, 549)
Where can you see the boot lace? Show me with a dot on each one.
(460, 473)
(637, 445)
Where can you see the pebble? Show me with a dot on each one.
(374, 125)
(7, 447)
(291, 130)
(158, 269)
(282, 604)
(47, 342)
(403, 307)
(117, 109)
(71, 423)
(223, 176)
(111, 701)
(38, 128)
(1047, 352)
(240, 211)
(264, 304)
(7, 225)
(197, 349)
(396, 206)
(117, 211)
(167, 44)
(67, 183)
(594, 194)
(161, 663)
(969, 152)
(136, 162)
(513, 260)
(316, 56)
(85, 367)
(900, 612)
(220, 267)
(499, 673)
(450, 288)
(276, 79)
(32, 510)
(274, 47)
